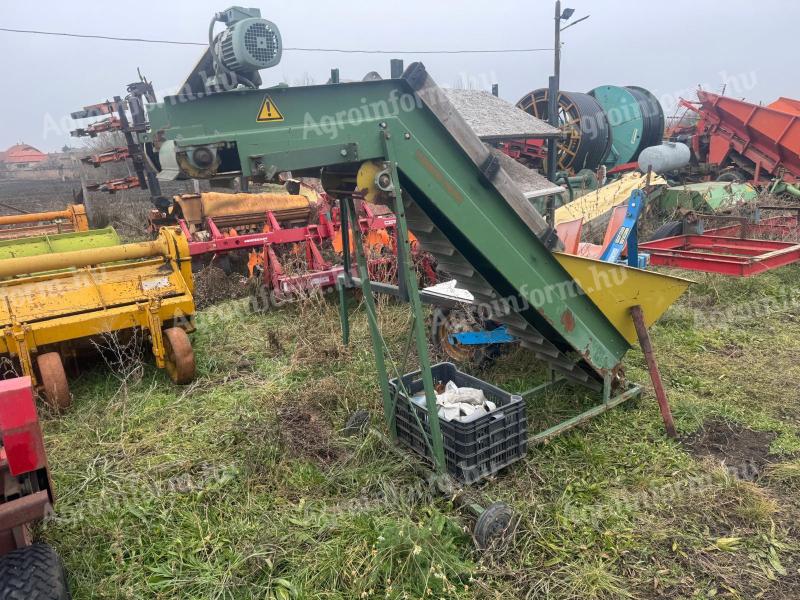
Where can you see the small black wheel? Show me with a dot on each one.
(733, 176)
(492, 524)
(356, 423)
(668, 229)
(34, 573)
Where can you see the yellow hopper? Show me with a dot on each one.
(53, 306)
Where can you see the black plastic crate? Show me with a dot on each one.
(475, 449)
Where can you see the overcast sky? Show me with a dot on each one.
(667, 46)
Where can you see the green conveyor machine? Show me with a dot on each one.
(401, 141)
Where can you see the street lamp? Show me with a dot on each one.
(552, 105)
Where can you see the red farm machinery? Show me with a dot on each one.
(739, 140)
(286, 242)
(27, 570)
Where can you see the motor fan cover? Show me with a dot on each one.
(250, 45)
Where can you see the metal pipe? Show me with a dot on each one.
(794, 191)
(396, 68)
(552, 114)
(36, 217)
(652, 366)
(14, 267)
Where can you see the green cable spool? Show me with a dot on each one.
(627, 122)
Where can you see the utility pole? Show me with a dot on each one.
(554, 86)
(552, 112)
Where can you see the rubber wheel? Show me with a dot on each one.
(54, 380)
(179, 355)
(668, 229)
(492, 524)
(33, 573)
(733, 176)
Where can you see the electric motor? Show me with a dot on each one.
(250, 44)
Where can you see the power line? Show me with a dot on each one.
(330, 50)
(101, 37)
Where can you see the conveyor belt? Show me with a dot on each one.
(451, 262)
(462, 205)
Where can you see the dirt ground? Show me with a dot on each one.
(743, 452)
(213, 285)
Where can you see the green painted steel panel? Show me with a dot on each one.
(708, 196)
(60, 242)
(344, 123)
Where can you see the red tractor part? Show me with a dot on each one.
(27, 492)
(291, 242)
(97, 110)
(762, 140)
(27, 570)
(115, 185)
(530, 152)
(109, 156)
(787, 105)
(106, 125)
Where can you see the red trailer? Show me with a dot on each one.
(27, 570)
(761, 142)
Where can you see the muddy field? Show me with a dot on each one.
(126, 210)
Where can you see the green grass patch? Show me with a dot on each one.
(216, 490)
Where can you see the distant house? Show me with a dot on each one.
(22, 156)
(23, 161)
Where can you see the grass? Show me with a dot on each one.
(243, 484)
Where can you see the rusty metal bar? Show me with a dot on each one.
(655, 375)
(23, 510)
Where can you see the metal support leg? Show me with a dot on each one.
(345, 280)
(344, 317)
(412, 290)
(655, 376)
(564, 426)
(633, 246)
(344, 216)
(374, 328)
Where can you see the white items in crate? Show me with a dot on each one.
(459, 403)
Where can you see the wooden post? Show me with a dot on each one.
(644, 340)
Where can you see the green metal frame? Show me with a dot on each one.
(409, 291)
(407, 280)
(431, 154)
(444, 174)
(609, 401)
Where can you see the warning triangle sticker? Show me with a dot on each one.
(269, 112)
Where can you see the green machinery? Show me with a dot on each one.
(707, 196)
(59, 242)
(401, 141)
